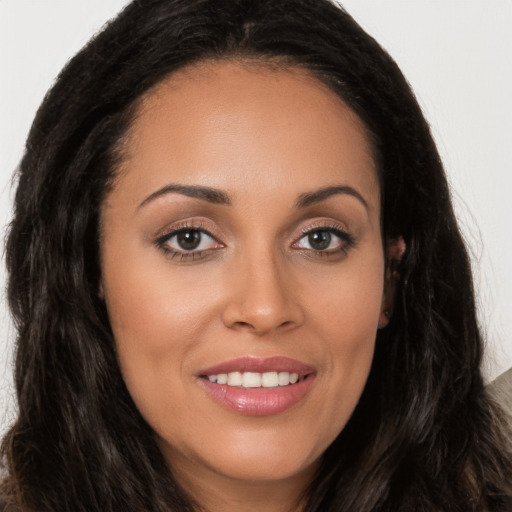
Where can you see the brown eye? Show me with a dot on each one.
(319, 240)
(325, 240)
(189, 240)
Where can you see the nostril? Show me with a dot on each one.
(243, 324)
(250, 326)
(259, 316)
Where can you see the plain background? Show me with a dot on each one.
(455, 53)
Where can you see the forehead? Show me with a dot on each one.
(235, 125)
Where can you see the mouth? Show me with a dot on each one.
(256, 379)
(258, 387)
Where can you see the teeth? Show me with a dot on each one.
(255, 380)
(269, 380)
(222, 378)
(283, 378)
(235, 379)
(251, 380)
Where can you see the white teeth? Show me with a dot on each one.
(222, 378)
(283, 378)
(251, 380)
(269, 380)
(234, 379)
(254, 379)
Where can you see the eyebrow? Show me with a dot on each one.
(310, 198)
(216, 196)
(212, 195)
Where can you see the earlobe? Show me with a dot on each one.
(395, 250)
(101, 291)
(384, 318)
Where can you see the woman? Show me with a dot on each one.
(238, 281)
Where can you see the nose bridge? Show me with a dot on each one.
(261, 299)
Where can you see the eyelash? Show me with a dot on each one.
(161, 242)
(348, 240)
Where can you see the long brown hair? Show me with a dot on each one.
(424, 437)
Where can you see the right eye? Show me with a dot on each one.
(188, 242)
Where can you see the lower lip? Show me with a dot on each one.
(258, 401)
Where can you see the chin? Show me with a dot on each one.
(261, 455)
(266, 467)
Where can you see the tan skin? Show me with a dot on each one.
(256, 286)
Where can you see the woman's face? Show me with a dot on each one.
(243, 270)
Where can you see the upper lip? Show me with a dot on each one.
(259, 365)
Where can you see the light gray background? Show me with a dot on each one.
(455, 53)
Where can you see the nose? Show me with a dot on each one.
(262, 298)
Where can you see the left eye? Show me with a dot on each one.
(188, 240)
(329, 240)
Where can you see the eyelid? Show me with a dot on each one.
(164, 236)
(182, 225)
(338, 229)
(319, 224)
(174, 233)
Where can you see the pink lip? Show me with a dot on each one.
(254, 364)
(259, 401)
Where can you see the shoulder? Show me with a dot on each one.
(501, 391)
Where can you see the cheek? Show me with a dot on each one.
(157, 319)
(344, 318)
(345, 304)
(150, 307)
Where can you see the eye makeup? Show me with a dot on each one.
(192, 241)
(188, 241)
(325, 240)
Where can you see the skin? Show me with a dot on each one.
(263, 136)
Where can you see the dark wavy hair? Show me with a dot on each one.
(424, 437)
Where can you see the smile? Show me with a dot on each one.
(255, 379)
(258, 387)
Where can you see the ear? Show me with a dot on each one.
(395, 249)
